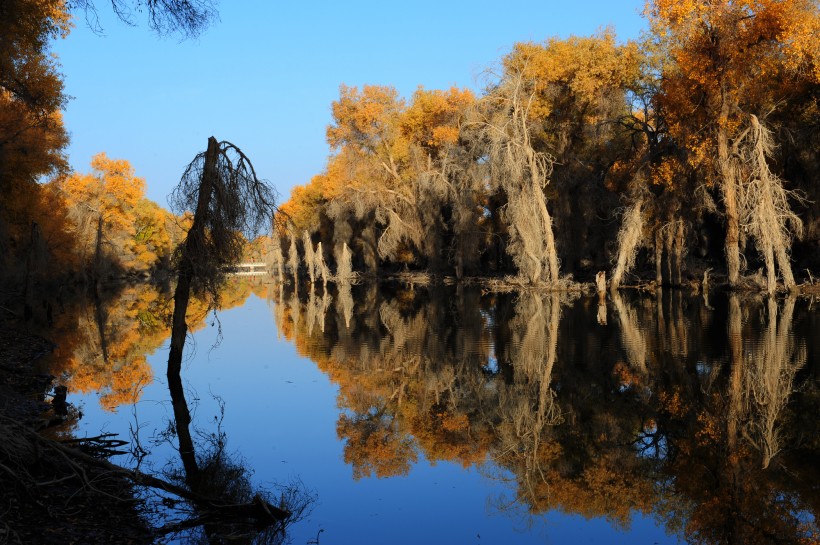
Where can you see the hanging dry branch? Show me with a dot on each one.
(629, 241)
(502, 127)
(764, 204)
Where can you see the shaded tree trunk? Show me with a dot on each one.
(729, 189)
(182, 294)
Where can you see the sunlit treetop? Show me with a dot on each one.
(578, 67)
(433, 118)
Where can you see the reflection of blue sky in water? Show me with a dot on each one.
(280, 415)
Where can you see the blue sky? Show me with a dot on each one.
(264, 75)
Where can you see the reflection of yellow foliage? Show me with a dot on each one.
(105, 349)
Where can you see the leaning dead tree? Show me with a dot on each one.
(230, 205)
(503, 133)
(764, 205)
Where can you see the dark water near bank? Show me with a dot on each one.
(445, 415)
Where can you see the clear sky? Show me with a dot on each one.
(265, 74)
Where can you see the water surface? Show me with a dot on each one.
(455, 415)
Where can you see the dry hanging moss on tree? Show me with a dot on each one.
(503, 134)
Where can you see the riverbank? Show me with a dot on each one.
(47, 497)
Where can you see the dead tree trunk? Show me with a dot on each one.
(182, 294)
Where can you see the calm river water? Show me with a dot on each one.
(456, 416)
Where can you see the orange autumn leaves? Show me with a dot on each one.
(108, 208)
(382, 145)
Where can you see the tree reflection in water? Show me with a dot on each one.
(103, 345)
(699, 413)
(224, 507)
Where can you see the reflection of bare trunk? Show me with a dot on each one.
(632, 337)
(317, 309)
(532, 353)
(182, 423)
(312, 310)
(99, 320)
(345, 304)
(277, 304)
(735, 335)
(295, 306)
(548, 411)
(600, 283)
(771, 377)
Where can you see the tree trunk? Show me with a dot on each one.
(679, 239)
(546, 219)
(182, 294)
(658, 257)
(729, 188)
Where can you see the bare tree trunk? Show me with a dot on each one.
(765, 206)
(182, 294)
(309, 257)
(369, 249)
(658, 257)
(546, 221)
(278, 259)
(344, 265)
(293, 259)
(729, 188)
(669, 243)
(678, 252)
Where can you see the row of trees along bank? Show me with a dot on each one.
(695, 148)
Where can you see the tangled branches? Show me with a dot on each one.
(503, 135)
(231, 206)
